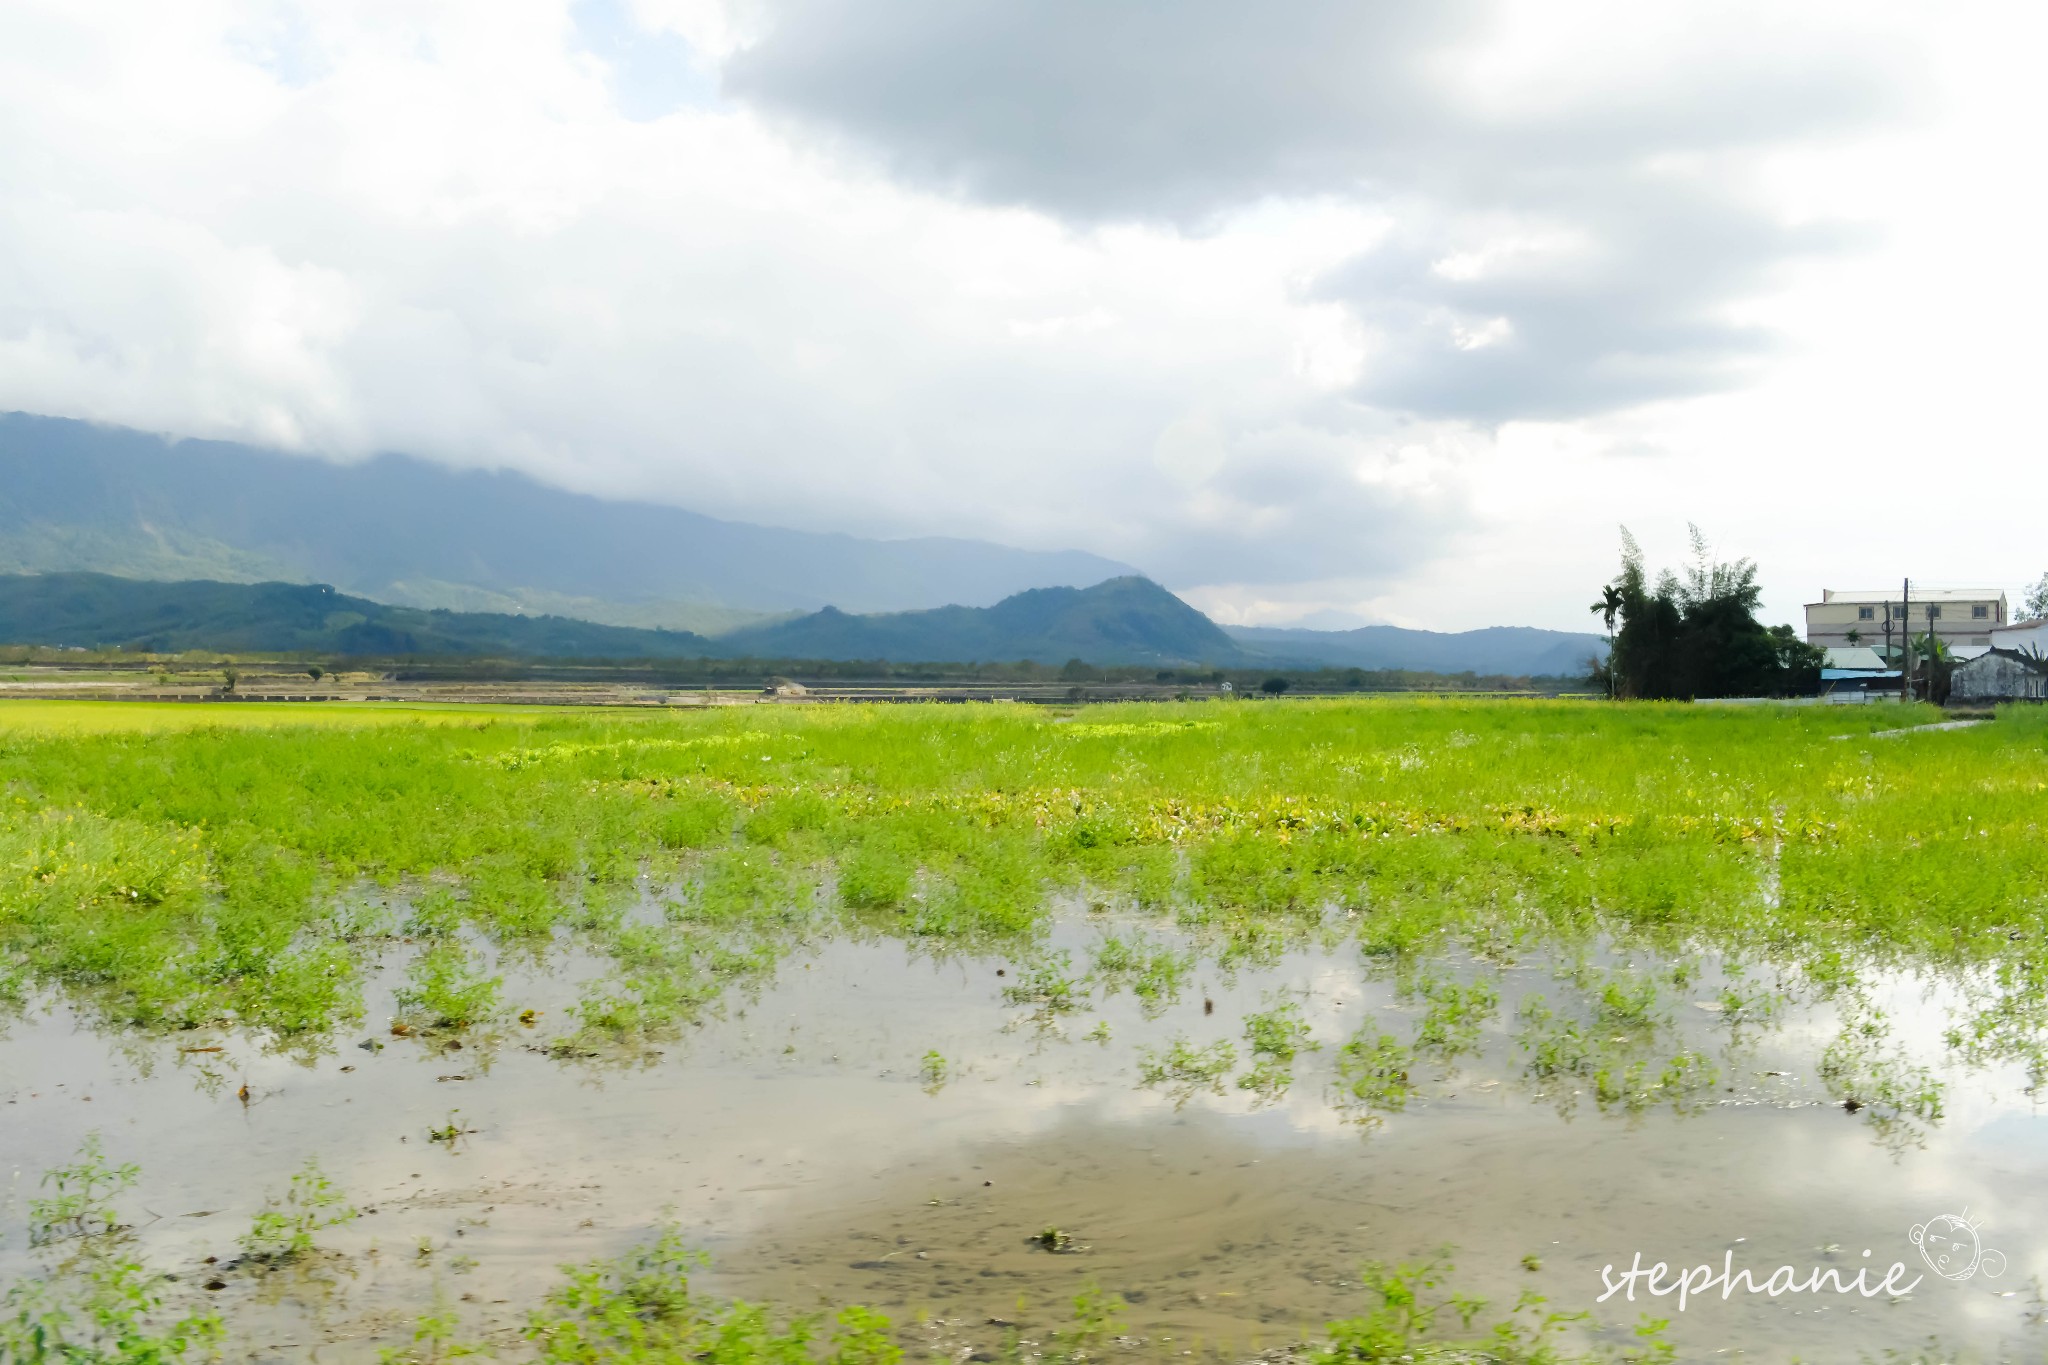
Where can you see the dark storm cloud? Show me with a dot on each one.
(1146, 109)
(1634, 313)
(1179, 111)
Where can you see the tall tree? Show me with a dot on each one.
(1608, 608)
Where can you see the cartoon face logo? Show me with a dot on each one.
(1950, 1246)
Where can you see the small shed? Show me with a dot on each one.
(1853, 672)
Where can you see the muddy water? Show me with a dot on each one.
(796, 1139)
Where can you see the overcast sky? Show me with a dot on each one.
(1319, 309)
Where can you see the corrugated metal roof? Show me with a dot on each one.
(1856, 657)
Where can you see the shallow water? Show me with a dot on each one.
(795, 1138)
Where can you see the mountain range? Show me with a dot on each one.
(1127, 620)
(75, 496)
(98, 611)
(120, 537)
(1122, 620)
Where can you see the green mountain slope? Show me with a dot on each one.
(98, 610)
(1125, 620)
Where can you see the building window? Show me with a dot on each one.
(1980, 613)
(1934, 613)
(1866, 613)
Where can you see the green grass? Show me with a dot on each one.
(175, 867)
(35, 717)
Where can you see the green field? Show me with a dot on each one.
(239, 873)
(242, 849)
(37, 719)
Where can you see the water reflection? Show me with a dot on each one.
(1228, 1139)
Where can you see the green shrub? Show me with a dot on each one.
(283, 1228)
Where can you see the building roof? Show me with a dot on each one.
(2019, 657)
(1861, 659)
(1876, 596)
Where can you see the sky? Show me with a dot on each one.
(1325, 312)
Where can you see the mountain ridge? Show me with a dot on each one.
(1128, 620)
(1124, 620)
(80, 497)
(94, 611)
(1120, 620)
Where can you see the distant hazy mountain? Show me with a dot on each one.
(1125, 620)
(1521, 650)
(97, 610)
(75, 496)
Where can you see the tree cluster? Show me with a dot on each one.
(1696, 634)
(2036, 602)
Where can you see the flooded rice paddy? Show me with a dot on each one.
(882, 1126)
(1206, 1032)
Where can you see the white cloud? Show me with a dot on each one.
(1414, 366)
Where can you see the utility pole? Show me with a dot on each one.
(1906, 640)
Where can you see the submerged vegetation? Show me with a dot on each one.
(101, 1305)
(1584, 889)
(233, 879)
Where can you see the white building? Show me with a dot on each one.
(1957, 616)
(2024, 638)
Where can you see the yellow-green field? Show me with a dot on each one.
(218, 830)
(38, 717)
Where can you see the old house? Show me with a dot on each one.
(2000, 675)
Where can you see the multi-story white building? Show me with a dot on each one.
(1957, 616)
(2029, 637)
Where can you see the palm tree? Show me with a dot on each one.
(1940, 665)
(1854, 637)
(1607, 609)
